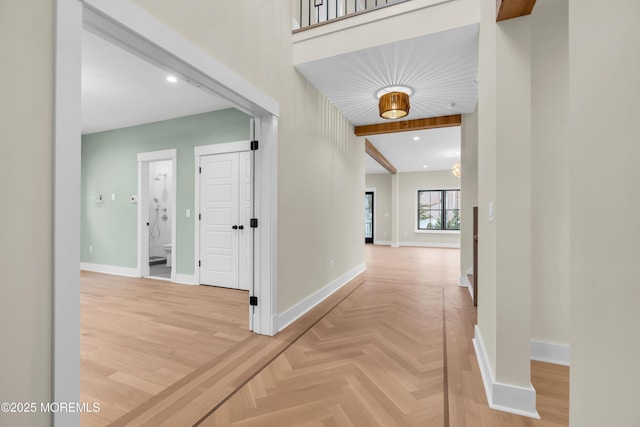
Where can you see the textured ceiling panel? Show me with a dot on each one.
(440, 68)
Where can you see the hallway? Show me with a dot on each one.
(371, 354)
(378, 359)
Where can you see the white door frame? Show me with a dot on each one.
(144, 159)
(208, 150)
(136, 30)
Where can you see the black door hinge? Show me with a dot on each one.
(199, 264)
(253, 223)
(254, 145)
(253, 301)
(199, 170)
(199, 217)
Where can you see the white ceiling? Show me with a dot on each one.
(119, 90)
(440, 68)
(438, 149)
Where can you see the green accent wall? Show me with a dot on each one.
(110, 165)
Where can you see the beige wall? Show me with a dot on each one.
(320, 161)
(469, 187)
(487, 178)
(550, 172)
(382, 206)
(410, 183)
(504, 180)
(26, 170)
(604, 65)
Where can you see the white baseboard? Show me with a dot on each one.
(503, 397)
(463, 281)
(431, 244)
(558, 354)
(382, 242)
(395, 245)
(186, 279)
(110, 269)
(291, 315)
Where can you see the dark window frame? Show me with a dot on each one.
(442, 210)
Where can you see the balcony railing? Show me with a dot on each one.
(316, 12)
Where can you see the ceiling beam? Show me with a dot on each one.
(407, 125)
(378, 157)
(508, 9)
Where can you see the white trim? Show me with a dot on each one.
(152, 156)
(382, 242)
(109, 269)
(185, 279)
(224, 148)
(558, 354)
(143, 208)
(135, 30)
(66, 210)
(266, 242)
(503, 397)
(431, 244)
(292, 314)
(464, 282)
(139, 32)
(436, 231)
(394, 245)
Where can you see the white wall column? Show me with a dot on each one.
(504, 312)
(395, 210)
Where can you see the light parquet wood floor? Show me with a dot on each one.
(391, 348)
(378, 359)
(139, 336)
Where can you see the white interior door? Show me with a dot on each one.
(219, 210)
(226, 238)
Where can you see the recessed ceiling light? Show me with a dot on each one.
(172, 79)
(424, 166)
(416, 138)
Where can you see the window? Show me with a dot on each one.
(438, 209)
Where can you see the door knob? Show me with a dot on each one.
(241, 227)
(235, 227)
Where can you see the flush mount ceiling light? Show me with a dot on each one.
(457, 170)
(172, 79)
(394, 102)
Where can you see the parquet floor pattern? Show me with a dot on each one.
(371, 354)
(377, 359)
(139, 336)
(374, 360)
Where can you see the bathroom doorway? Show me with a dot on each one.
(157, 214)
